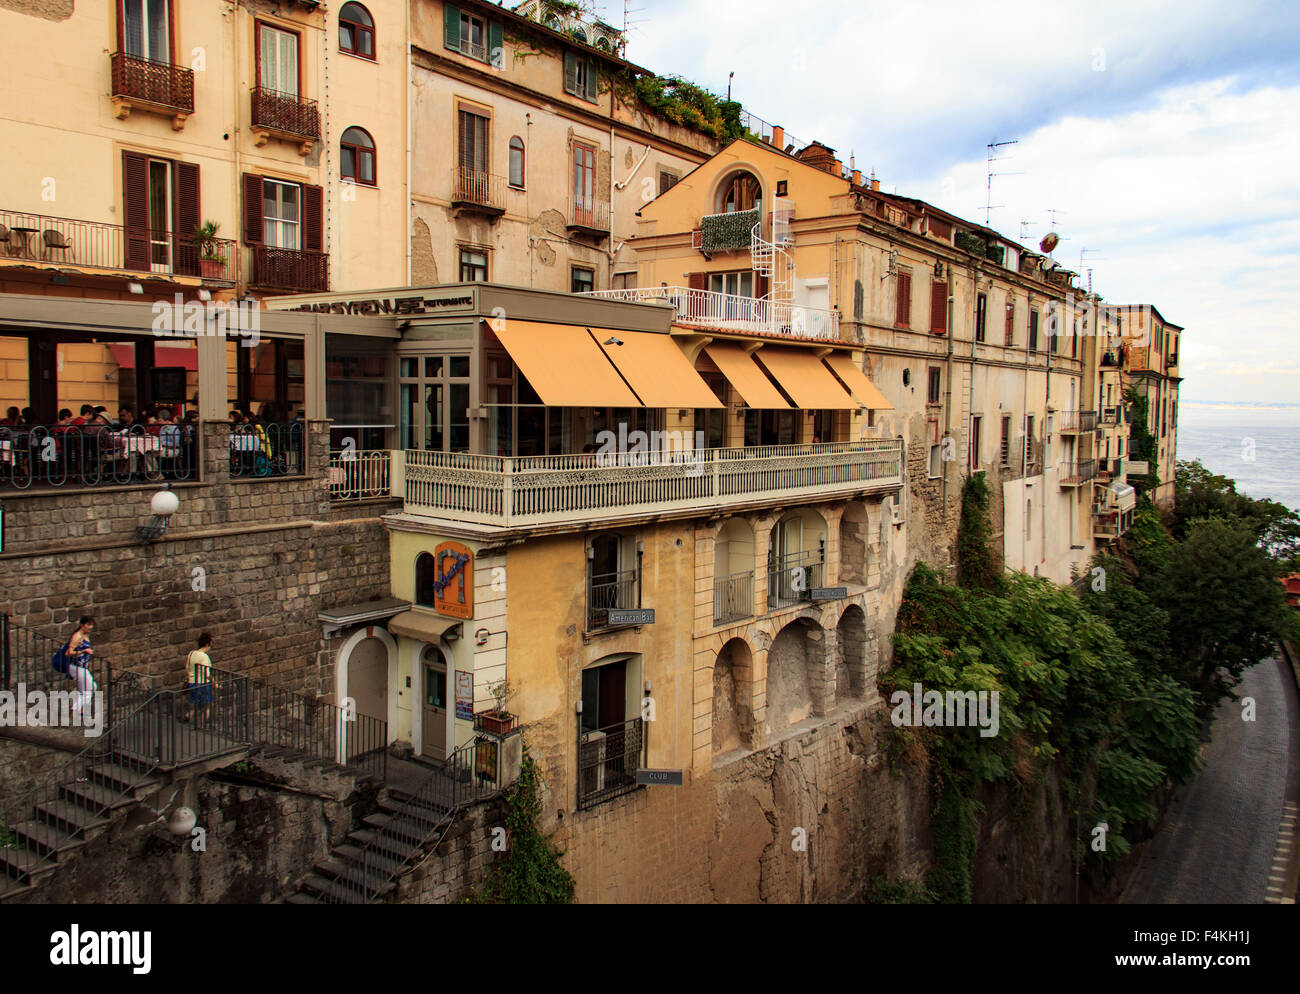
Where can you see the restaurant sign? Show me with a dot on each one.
(453, 580)
(378, 306)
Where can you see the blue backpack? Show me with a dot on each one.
(60, 660)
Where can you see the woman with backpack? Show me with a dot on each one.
(78, 652)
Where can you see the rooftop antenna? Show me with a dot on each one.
(1023, 225)
(1052, 239)
(1086, 252)
(990, 158)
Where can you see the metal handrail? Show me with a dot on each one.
(96, 455)
(263, 449)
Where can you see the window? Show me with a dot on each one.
(584, 280)
(146, 29)
(610, 732)
(277, 64)
(357, 156)
(161, 198)
(734, 284)
(938, 308)
(936, 382)
(580, 77)
(1004, 451)
(1011, 322)
(1033, 331)
(1029, 441)
(904, 309)
(584, 185)
(473, 266)
(285, 222)
(473, 142)
(976, 423)
(981, 306)
(740, 191)
(517, 162)
(281, 214)
(1052, 331)
(936, 461)
(667, 180)
(473, 36)
(356, 31)
(1029, 520)
(434, 403)
(624, 281)
(613, 577)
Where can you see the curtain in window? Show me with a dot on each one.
(279, 61)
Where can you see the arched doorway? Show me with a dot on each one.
(435, 678)
(733, 716)
(795, 674)
(733, 572)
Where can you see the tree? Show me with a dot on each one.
(977, 562)
(1201, 494)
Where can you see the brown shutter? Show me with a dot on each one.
(313, 219)
(938, 308)
(253, 208)
(698, 281)
(135, 193)
(185, 217)
(904, 305)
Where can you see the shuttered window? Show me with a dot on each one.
(473, 36)
(904, 306)
(1004, 452)
(473, 141)
(1033, 331)
(981, 309)
(161, 209)
(283, 215)
(1011, 322)
(938, 308)
(580, 77)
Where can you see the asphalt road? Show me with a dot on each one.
(1217, 841)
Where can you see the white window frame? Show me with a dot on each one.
(277, 231)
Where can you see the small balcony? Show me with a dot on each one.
(577, 490)
(1078, 472)
(588, 216)
(289, 269)
(728, 232)
(287, 116)
(474, 191)
(157, 86)
(1076, 422)
(357, 475)
(1110, 416)
(733, 598)
(68, 243)
(729, 312)
(792, 578)
(620, 591)
(608, 759)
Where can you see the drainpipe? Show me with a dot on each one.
(241, 286)
(613, 251)
(947, 400)
(410, 144)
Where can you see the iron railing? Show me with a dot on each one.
(159, 83)
(733, 312)
(790, 578)
(357, 474)
(46, 239)
(289, 269)
(608, 591)
(478, 188)
(286, 113)
(268, 449)
(1078, 472)
(608, 759)
(733, 597)
(1075, 422)
(589, 213)
(69, 456)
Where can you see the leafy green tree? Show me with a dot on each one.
(1201, 494)
(977, 561)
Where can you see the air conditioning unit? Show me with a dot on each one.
(593, 776)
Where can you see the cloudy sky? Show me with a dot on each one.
(1166, 135)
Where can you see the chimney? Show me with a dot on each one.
(778, 137)
(837, 168)
(875, 183)
(857, 177)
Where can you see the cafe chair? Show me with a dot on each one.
(54, 242)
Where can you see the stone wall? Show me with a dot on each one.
(458, 866)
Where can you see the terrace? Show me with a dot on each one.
(729, 312)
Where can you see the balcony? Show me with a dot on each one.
(733, 598)
(1105, 524)
(792, 578)
(156, 86)
(607, 592)
(588, 216)
(356, 475)
(728, 232)
(729, 312)
(1110, 417)
(289, 269)
(1076, 422)
(474, 191)
(67, 243)
(67, 457)
(577, 490)
(285, 115)
(608, 759)
(1078, 472)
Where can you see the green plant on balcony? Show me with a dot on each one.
(970, 242)
(727, 232)
(499, 720)
(683, 102)
(211, 260)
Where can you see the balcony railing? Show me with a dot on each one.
(289, 269)
(286, 113)
(158, 83)
(506, 492)
(733, 598)
(1079, 472)
(1076, 422)
(729, 312)
(589, 214)
(75, 244)
(792, 577)
(267, 450)
(611, 591)
(360, 475)
(608, 759)
(39, 457)
(477, 189)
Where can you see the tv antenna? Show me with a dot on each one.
(630, 22)
(990, 158)
(1083, 252)
(1023, 225)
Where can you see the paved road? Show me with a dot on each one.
(1217, 841)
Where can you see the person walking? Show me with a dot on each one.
(79, 653)
(198, 675)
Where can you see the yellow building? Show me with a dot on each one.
(1151, 362)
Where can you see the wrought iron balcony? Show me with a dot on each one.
(69, 457)
(38, 239)
(608, 759)
(1076, 422)
(357, 474)
(574, 490)
(791, 579)
(611, 592)
(588, 215)
(1078, 472)
(156, 85)
(477, 191)
(733, 598)
(730, 312)
(289, 269)
(285, 114)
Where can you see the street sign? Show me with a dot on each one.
(828, 593)
(662, 778)
(619, 616)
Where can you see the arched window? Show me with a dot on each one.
(356, 31)
(740, 191)
(517, 162)
(425, 574)
(357, 155)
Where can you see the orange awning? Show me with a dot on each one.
(802, 375)
(656, 369)
(743, 374)
(867, 393)
(564, 364)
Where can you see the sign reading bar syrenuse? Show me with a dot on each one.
(620, 616)
(662, 778)
(828, 593)
(388, 305)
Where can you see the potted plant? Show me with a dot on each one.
(498, 720)
(211, 261)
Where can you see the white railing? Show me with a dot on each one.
(508, 492)
(357, 474)
(729, 312)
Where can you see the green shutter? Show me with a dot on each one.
(452, 22)
(593, 89)
(570, 73)
(496, 45)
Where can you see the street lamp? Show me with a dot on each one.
(163, 505)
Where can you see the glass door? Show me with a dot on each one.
(434, 728)
(279, 60)
(145, 29)
(160, 191)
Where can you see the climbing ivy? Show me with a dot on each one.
(683, 102)
(977, 562)
(1142, 444)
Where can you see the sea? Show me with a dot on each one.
(1256, 445)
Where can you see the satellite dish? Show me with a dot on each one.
(1050, 241)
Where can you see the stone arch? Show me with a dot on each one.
(796, 674)
(796, 557)
(851, 658)
(733, 572)
(853, 544)
(733, 683)
(739, 190)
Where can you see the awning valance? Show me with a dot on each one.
(564, 364)
(657, 370)
(421, 625)
(802, 375)
(743, 374)
(862, 388)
